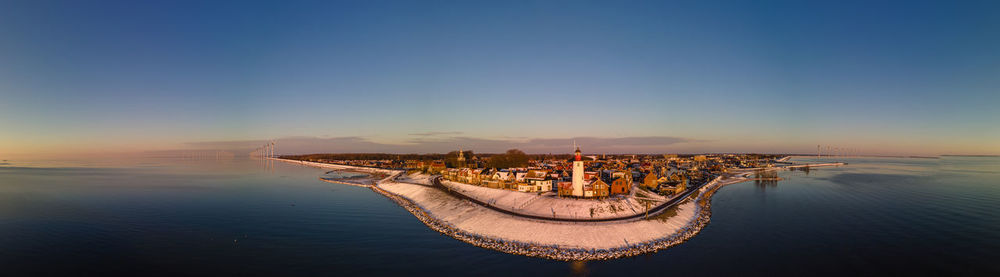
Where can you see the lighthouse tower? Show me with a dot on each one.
(577, 174)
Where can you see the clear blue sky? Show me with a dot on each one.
(906, 77)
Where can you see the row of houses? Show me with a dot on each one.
(595, 177)
(535, 180)
(541, 180)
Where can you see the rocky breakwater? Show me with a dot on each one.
(691, 224)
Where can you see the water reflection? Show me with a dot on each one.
(764, 179)
(578, 268)
(180, 216)
(264, 164)
(805, 169)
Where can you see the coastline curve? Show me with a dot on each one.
(466, 221)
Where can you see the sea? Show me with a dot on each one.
(246, 217)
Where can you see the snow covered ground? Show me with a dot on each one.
(550, 205)
(415, 178)
(479, 220)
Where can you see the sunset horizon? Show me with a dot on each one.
(130, 77)
(499, 138)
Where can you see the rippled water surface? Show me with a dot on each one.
(876, 216)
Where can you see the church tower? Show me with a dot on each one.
(577, 173)
(461, 158)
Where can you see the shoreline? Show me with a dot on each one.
(699, 219)
(464, 221)
(554, 252)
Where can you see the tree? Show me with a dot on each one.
(512, 158)
(517, 158)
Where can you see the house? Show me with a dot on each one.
(538, 178)
(519, 176)
(465, 175)
(492, 183)
(621, 174)
(597, 188)
(436, 166)
(650, 182)
(565, 188)
(502, 176)
(450, 174)
(525, 187)
(588, 190)
(621, 185)
(673, 187)
(681, 187)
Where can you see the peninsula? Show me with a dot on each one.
(557, 207)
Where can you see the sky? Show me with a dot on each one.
(882, 77)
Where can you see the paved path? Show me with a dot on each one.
(436, 182)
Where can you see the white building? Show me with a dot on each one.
(577, 175)
(537, 179)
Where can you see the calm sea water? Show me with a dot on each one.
(877, 216)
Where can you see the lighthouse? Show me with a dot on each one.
(577, 173)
